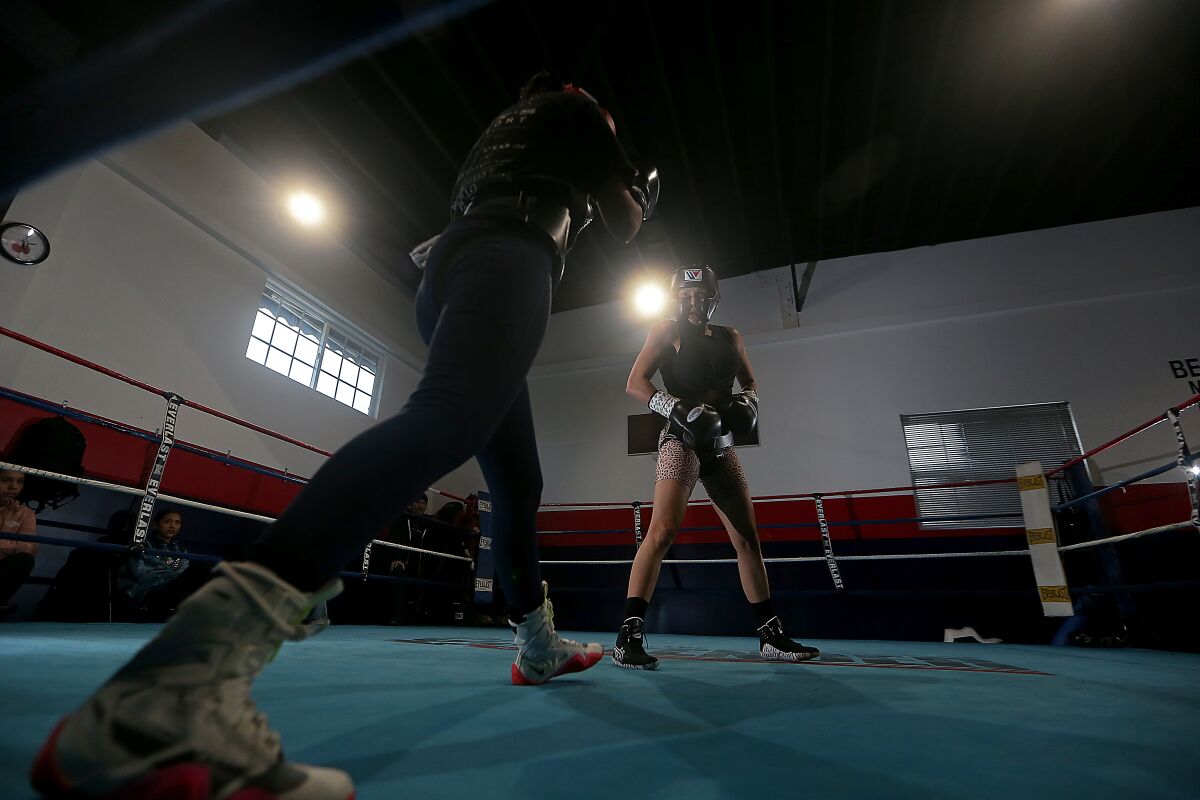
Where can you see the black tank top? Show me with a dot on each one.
(704, 368)
(554, 143)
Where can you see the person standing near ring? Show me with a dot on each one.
(699, 362)
(16, 558)
(178, 717)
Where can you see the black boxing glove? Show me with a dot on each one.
(740, 413)
(696, 424)
(645, 191)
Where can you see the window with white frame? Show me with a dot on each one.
(983, 444)
(311, 348)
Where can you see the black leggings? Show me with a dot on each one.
(482, 308)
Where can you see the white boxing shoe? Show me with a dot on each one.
(542, 654)
(177, 721)
(967, 634)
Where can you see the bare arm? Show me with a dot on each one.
(745, 372)
(620, 213)
(639, 386)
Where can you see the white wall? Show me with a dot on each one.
(159, 255)
(160, 252)
(1091, 314)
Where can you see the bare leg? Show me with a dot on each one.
(670, 503)
(730, 494)
(736, 511)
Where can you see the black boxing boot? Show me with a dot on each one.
(774, 646)
(630, 650)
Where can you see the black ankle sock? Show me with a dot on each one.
(763, 612)
(636, 607)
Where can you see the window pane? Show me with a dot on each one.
(349, 372)
(983, 444)
(295, 340)
(257, 351)
(306, 350)
(284, 338)
(263, 325)
(279, 361)
(331, 362)
(301, 373)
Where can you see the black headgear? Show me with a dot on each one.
(546, 81)
(696, 277)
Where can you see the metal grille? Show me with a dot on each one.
(983, 444)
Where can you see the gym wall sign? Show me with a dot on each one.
(1187, 369)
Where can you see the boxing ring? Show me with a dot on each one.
(420, 711)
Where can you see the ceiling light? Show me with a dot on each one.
(306, 208)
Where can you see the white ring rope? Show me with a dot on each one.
(181, 501)
(617, 505)
(799, 559)
(1176, 527)
(614, 505)
(118, 487)
(419, 550)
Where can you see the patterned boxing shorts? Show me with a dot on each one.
(721, 472)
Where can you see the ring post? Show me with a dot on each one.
(485, 562)
(1043, 541)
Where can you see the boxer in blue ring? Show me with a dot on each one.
(699, 362)
(177, 720)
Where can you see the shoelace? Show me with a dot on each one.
(235, 706)
(232, 698)
(771, 628)
(641, 634)
(554, 636)
(292, 631)
(637, 632)
(550, 624)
